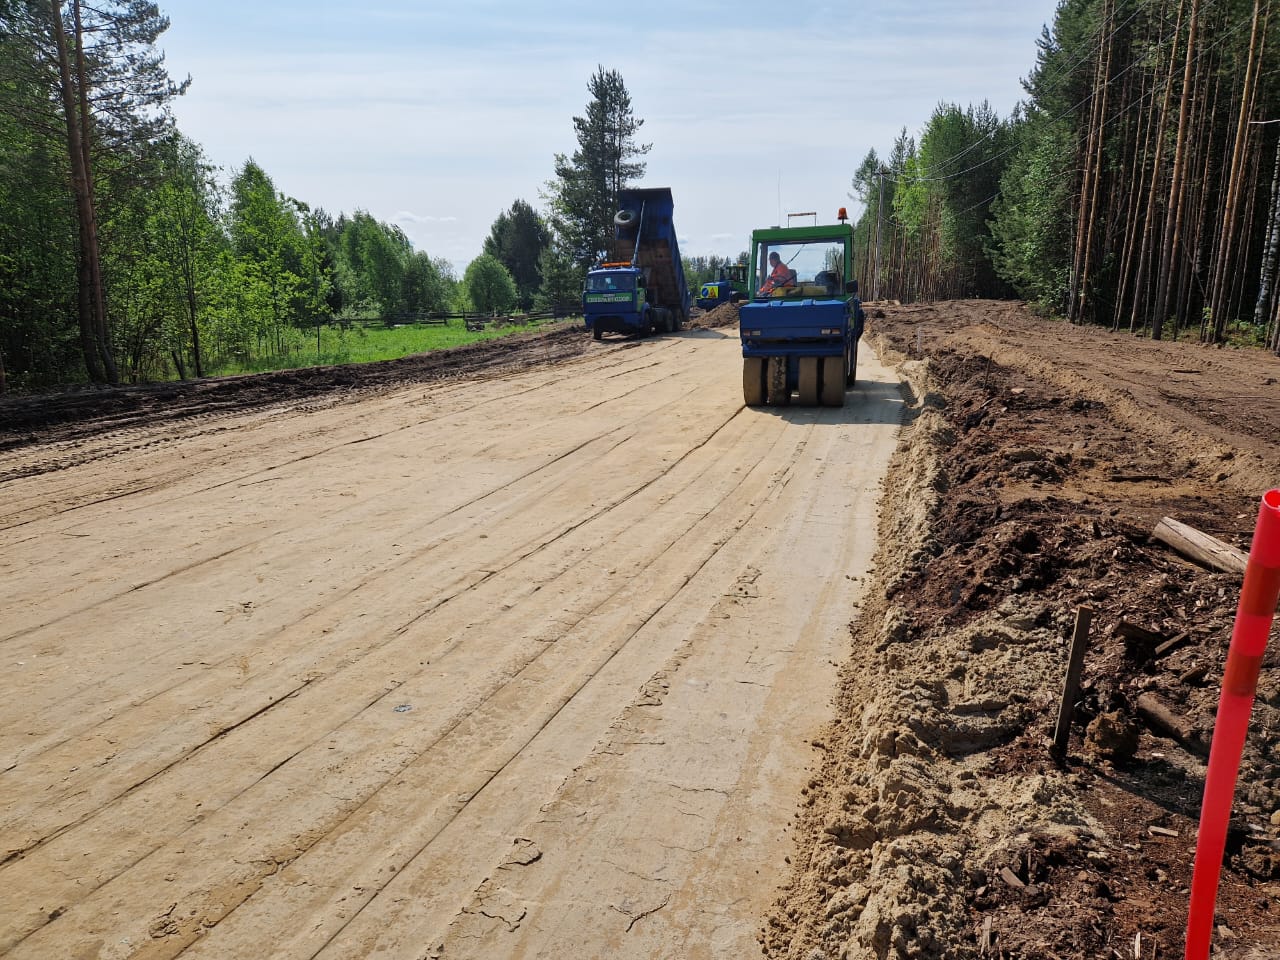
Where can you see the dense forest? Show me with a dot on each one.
(1138, 186)
(126, 256)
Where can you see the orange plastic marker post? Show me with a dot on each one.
(1254, 615)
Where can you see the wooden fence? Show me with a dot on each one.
(472, 321)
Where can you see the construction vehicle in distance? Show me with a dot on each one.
(639, 286)
(730, 288)
(800, 331)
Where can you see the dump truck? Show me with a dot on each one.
(638, 287)
(729, 288)
(801, 329)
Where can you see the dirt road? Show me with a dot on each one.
(511, 666)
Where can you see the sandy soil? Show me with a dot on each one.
(531, 650)
(1039, 458)
(451, 657)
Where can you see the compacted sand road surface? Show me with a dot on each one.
(524, 666)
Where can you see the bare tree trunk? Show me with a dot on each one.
(102, 336)
(1140, 302)
(1095, 160)
(1173, 215)
(195, 332)
(1241, 277)
(1137, 175)
(879, 222)
(1205, 238)
(1270, 248)
(84, 205)
(1084, 224)
(1219, 288)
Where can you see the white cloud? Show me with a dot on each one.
(404, 216)
(459, 109)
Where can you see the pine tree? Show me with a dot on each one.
(584, 193)
(105, 90)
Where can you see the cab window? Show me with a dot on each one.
(609, 283)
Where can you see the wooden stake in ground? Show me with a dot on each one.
(1071, 686)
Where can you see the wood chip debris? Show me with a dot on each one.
(1011, 878)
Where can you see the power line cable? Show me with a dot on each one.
(1072, 109)
(1062, 76)
(1158, 88)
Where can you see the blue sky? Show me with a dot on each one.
(437, 116)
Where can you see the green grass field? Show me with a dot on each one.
(366, 344)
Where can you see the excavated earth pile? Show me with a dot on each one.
(724, 315)
(1037, 460)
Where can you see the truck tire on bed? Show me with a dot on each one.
(833, 381)
(753, 381)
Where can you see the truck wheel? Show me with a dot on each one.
(853, 364)
(809, 381)
(778, 394)
(596, 333)
(833, 381)
(753, 381)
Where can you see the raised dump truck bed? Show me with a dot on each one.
(639, 288)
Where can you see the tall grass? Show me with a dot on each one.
(366, 344)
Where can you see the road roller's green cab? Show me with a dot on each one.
(801, 329)
(729, 288)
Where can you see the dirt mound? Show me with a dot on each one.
(725, 315)
(938, 826)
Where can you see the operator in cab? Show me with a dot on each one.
(780, 275)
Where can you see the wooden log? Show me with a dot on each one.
(1198, 546)
(1132, 631)
(1139, 642)
(1173, 644)
(1162, 719)
(1195, 676)
(1011, 878)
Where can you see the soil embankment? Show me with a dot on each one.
(1039, 458)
